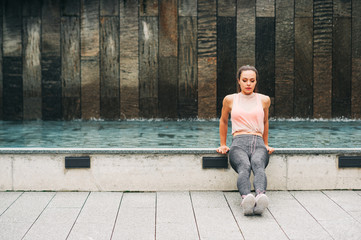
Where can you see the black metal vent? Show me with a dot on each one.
(77, 162)
(349, 162)
(215, 162)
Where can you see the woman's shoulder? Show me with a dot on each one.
(229, 97)
(264, 99)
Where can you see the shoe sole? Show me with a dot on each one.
(261, 205)
(248, 204)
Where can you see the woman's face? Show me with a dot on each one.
(247, 82)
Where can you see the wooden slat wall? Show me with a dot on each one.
(207, 58)
(123, 59)
(356, 60)
(303, 105)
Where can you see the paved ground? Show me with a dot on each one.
(178, 215)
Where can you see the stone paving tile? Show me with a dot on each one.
(178, 215)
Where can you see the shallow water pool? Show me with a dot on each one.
(172, 134)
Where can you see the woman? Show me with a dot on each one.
(249, 149)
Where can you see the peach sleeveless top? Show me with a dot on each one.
(247, 114)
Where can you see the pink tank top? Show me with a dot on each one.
(247, 114)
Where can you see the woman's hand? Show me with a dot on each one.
(223, 149)
(270, 150)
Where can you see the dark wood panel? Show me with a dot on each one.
(148, 8)
(187, 68)
(304, 8)
(342, 8)
(109, 8)
(168, 62)
(187, 8)
(31, 8)
(89, 28)
(12, 45)
(167, 87)
(207, 58)
(341, 62)
(265, 8)
(70, 7)
(13, 88)
(207, 28)
(1, 64)
(303, 68)
(129, 67)
(227, 8)
(51, 88)
(148, 67)
(322, 52)
(32, 68)
(109, 68)
(226, 59)
(246, 33)
(90, 88)
(356, 60)
(70, 67)
(50, 28)
(284, 68)
(265, 55)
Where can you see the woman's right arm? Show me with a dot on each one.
(223, 124)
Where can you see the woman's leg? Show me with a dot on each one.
(259, 162)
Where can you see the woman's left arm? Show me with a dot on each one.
(266, 105)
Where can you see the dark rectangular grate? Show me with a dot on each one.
(215, 162)
(349, 162)
(77, 162)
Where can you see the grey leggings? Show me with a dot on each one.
(248, 152)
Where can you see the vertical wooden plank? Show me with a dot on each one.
(187, 8)
(90, 77)
(31, 8)
(265, 56)
(341, 62)
(12, 61)
(304, 8)
(187, 68)
(207, 58)
(246, 33)
(322, 59)
(1, 62)
(303, 68)
(284, 66)
(109, 8)
(109, 68)
(226, 59)
(31, 68)
(148, 8)
(168, 61)
(70, 67)
(356, 60)
(226, 8)
(129, 67)
(265, 8)
(51, 61)
(148, 67)
(70, 7)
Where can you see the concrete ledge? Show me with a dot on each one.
(124, 169)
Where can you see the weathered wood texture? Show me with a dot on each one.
(356, 60)
(109, 68)
(148, 67)
(284, 62)
(322, 59)
(70, 67)
(129, 72)
(207, 58)
(226, 60)
(246, 33)
(90, 69)
(31, 68)
(168, 59)
(122, 59)
(342, 68)
(187, 68)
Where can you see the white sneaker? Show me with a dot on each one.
(248, 204)
(261, 204)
